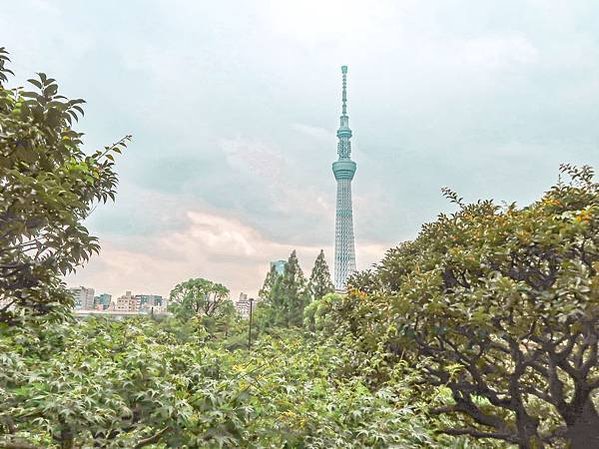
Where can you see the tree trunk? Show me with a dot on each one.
(528, 426)
(66, 438)
(529, 436)
(583, 426)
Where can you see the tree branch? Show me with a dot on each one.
(151, 439)
(510, 437)
(18, 445)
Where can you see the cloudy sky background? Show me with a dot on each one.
(233, 106)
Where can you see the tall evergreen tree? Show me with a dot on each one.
(269, 283)
(285, 295)
(320, 280)
(294, 290)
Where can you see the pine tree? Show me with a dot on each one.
(320, 280)
(285, 295)
(294, 292)
(269, 283)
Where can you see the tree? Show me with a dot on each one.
(198, 298)
(504, 304)
(269, 283)
(320, 280)
(222, 320)
(294, 292)
(48, 186)
(287, 296)
(318, 316)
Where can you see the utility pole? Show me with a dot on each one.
(250, 329)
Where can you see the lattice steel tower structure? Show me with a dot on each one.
(344, 169)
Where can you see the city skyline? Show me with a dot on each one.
(233, 116)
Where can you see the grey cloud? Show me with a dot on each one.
(485, 97)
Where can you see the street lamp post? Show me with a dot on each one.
(250, 329)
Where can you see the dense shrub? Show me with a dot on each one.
(504, 304)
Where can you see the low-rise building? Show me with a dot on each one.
(102, 302)
(151, 303)
(126, 303)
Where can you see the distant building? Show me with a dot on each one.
(151, 300)
(126, 303)
(242, 305)
(84, 298)
(151, 303)
(102, 302)
(279, 265)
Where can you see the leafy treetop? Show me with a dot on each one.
(48, 186)
(197, 297)
(504, 303)
(320, 279)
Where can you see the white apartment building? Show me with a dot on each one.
(242, 305)
(84, 298)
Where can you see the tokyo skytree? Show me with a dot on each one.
(344, 169)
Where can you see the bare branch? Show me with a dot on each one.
(151, 439)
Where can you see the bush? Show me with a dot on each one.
(504, 303)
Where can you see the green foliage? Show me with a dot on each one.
(504, 303)
(269, 283)
(135, 384)
(320, 280)
(294, 293)
(48, 186)
(223, 322)
(318, 315)
(199, 298)
(264, 317)
(288, 294)
(113, 383)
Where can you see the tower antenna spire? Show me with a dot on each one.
(344, 91)
(344, 133)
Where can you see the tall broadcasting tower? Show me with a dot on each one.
(344, 169)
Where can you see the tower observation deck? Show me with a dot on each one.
(344, 169)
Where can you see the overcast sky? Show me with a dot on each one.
(233, 108)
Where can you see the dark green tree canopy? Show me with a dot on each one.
(48, 186)
(320, 280)
(504, 301)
